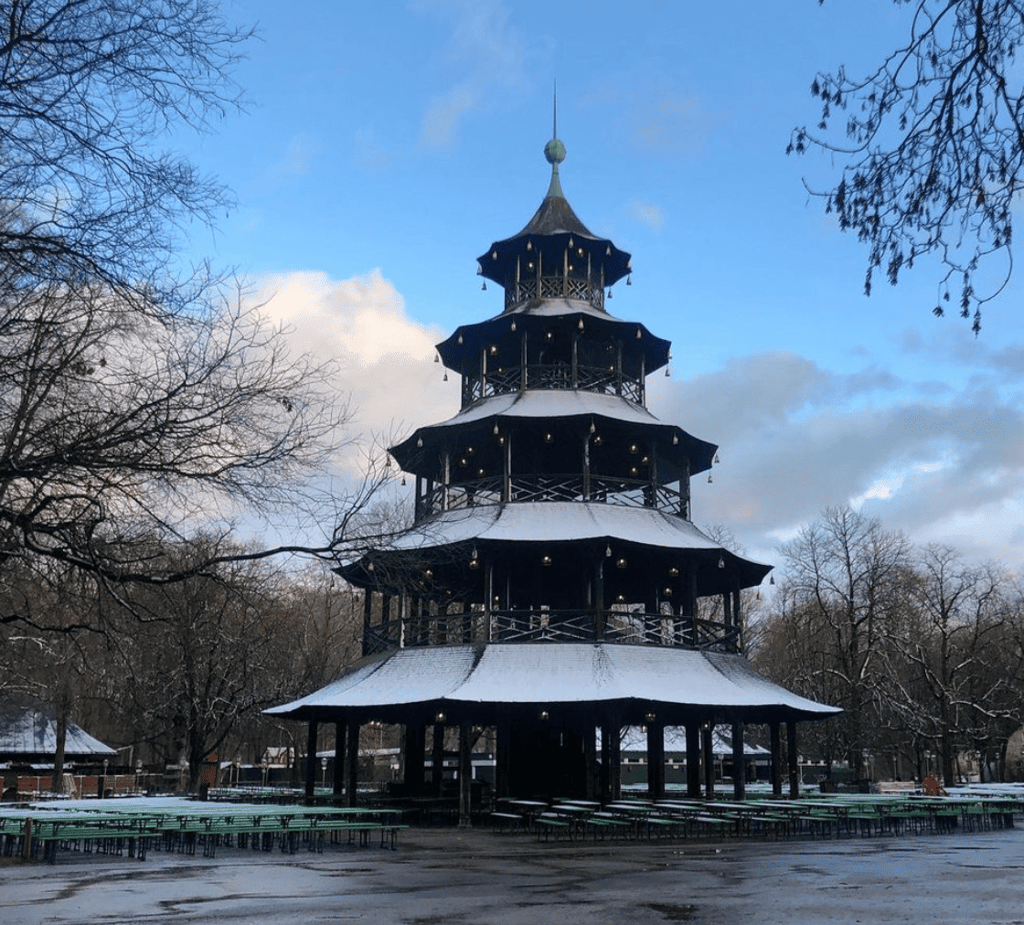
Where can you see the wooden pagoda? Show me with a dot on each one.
(553, 588)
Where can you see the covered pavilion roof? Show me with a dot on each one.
(25, 733)
(548, 674)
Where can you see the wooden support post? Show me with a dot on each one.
(708, 755)
(656, 759)
(339, 757)
(614, 760)
(465, 776)
(367, 613)
(693, 760)
(590, 760)
(437, 759)
(352, 763)
(415, 745)
(311, 761)
(502, 764)
(739, 766)
(776, 746)
(794, 762)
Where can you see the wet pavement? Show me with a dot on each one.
(478, 878)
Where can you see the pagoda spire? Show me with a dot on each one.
(554, 151)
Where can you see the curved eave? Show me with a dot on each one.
(460, 352)
(549, 232)
(562, 405)
(550, 674)
(553, 522)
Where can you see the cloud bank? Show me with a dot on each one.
(942, 462)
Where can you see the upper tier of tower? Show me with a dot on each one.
(555, 256)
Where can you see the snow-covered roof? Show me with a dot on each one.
(557, 521)
(552, 403)
(32, 732)
(546, 673)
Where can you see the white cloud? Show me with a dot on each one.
(299, 156)
(384, 359)
(941, 465)
(491, 58)
(647, 213)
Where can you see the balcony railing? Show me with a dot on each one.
(505, 379)
(570, 487)
(621, 626)
(555, 287)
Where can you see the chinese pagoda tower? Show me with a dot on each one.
(553, 587)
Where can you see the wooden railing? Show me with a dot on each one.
(507, 379)
(627, 492)
(620, 626)
(555, 287)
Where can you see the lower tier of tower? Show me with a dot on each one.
(555, 711)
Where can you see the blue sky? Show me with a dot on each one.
(385, 145)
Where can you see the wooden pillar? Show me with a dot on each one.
(776, 745)
(502, 764)
(524, 359)
(437, 759)
(339, 758)
(415, 745)
(488, 634)
(739, 766)
(592, 785)
(794, 763)
(614, 760)
(352, 763)
(693, 760)
(708, 754)
(311, 761)
(465, 776)
(367, 611)
(656, 759)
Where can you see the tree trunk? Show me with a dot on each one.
(58, 754)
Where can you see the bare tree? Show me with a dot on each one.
(134, 401)
(933, 155)
(89, 89)
(843, 578)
